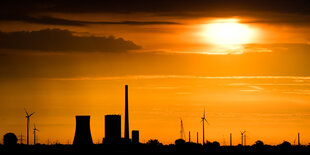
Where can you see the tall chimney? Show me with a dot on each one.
(298, 139)
(126, 114)
(230, 138)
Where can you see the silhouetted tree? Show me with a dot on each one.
(285, 146)
(259, 143)
(154, 142)
(179, 142)
(9, 139)
(216, 144)
(259, 146)
(154, 145)
(212, 146)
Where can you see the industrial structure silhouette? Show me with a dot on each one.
(112, 129)
(126, 115)
(82, 132)
(113, 142)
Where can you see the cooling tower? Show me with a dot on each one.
(82, 131)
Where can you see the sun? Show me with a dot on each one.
(228, 31)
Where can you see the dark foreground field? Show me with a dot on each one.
(186, 147)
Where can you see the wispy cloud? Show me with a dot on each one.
(137, 77)
(292, 85)
(265, 84)
(158, 87)
(298, 92)
(209, 49)
(47, 20)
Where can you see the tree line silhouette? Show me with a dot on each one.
(153, 145)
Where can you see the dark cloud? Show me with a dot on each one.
(154, 6)
(67, 22)
(62, 41)
(267, 10)
(41, 20)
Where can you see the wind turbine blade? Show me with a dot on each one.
(31, 114)
(26, 112)
(206, 121)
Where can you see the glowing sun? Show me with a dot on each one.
(228, 32)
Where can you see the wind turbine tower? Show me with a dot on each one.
(34, 134)
(21, 138)
(242, 133)
(203, 119)
(230, 139)
(298, 139)
(28, 121)
(197, 138)
(182, 131)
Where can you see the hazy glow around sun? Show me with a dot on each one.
(228, 31)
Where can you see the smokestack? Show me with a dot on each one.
(82, 131)
(230, 139)
(126, 114)
(298, 139)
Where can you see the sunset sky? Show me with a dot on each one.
(246, 62)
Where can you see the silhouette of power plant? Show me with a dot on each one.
(112, 129)
(113, 138)
(135, 136)
(126, 114)
(82, 132)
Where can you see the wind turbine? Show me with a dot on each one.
(203, 120)
(34, 133)
(28, 120)
(242, 133)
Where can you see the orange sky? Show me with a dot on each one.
(269, 108)
(247, 67)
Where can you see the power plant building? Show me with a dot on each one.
(82, 131)
(113, 129)
(135, 136)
